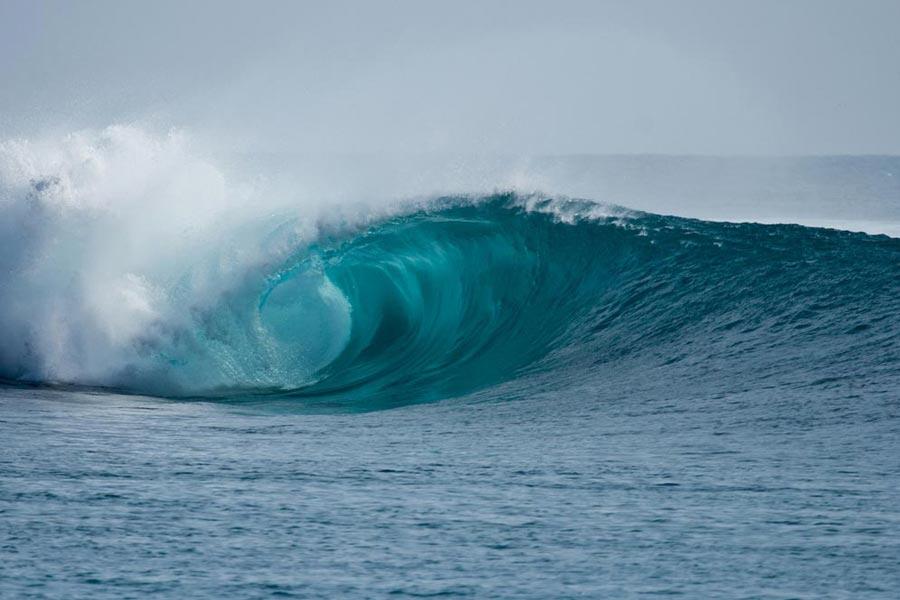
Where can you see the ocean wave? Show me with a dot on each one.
(130, 264)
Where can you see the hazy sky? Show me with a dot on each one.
(783, 77)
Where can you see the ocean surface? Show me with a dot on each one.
(501, 395)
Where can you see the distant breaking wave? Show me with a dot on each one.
(129, 265)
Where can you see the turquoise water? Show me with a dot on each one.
(585, 401)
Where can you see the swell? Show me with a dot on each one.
(465, 294)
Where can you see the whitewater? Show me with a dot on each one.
(519, 380)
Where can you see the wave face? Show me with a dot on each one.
(446, 301)
(427, 301)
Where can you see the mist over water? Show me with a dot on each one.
(145, 262)
(810, 77)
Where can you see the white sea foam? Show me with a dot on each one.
(95, 228)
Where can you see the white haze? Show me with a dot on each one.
(509, 77)
(384, 100)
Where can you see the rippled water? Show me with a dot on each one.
(767, 493)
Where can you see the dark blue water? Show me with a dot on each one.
(510, 398)
(616, 492)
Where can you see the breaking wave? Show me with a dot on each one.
(129, 264)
